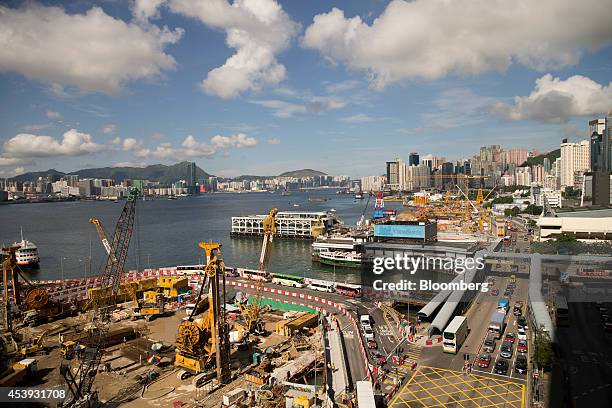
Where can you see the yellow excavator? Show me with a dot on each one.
(251, 313)
(35, 347)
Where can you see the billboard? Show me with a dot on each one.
(399, 231)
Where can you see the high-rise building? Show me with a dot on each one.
(523, 176)
(72, 180)
(546, 164)
(601, 159)
(516, 156)
(191, 177)
(413, 159)
(394, 171)
(537, 173)
(414, 177)
(574, 157)
(373, 183)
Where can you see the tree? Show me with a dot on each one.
(566, 237)
(542, 355)
(512, 212)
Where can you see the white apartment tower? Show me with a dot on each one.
(574, 157)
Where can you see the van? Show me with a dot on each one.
(365, 320)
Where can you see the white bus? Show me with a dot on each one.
(454, 335)
(322, 286)
(288, 280)
(253, 274)
(365, 395)
(190, 269)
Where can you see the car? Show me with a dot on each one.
(521, 347)
(378, 357)
(604, 317)
(495, 292)
(518, 311)
(510, 337)
(608, 327)
(501, 367)
(484, 360)
(511, 285)
(520, 365)
(603, 309)
(506, 350)
(522, 335)
(372, 344)
(508, 294)
(489, 344)
(368, 333)
(521, 322)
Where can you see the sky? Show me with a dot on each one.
(267, 86)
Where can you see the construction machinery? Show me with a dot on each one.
(79, 383)
(151, 305)
(201, 339)
(251, 311)
(36, 346)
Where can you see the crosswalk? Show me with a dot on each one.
(397, 374)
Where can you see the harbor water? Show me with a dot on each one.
(167, 232)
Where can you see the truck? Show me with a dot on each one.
(502, 305)
(496, 324)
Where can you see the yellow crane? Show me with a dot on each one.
(36, 346)
(251, 312)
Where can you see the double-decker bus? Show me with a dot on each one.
(561, 310)
(253, 274)
(288, 280)
(346, 289)
(454, 335)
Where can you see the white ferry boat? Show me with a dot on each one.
(339, 258)
(341, 249)
(27, 254)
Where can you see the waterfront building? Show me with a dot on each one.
(586, 224)
(288, 224)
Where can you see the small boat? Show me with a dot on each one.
(358, 196)
(339, 258)
(296, 205)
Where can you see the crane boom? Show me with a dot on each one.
(80, 384)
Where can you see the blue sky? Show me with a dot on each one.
(262, 87)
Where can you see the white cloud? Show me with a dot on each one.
(73, 143)
(190, 147)
(143, 10)
(556, 100)
(92, 51)
(12, 173)
(139, 165)
(36, 127)
(10, 161)
(53, 114)
(274, 141)
(110, 128)
(314, 104)
(432, 38)
(358, 118)
(282, 109)
(342, 86)
(257, 29)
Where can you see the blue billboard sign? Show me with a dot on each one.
(399, 231)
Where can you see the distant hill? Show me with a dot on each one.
(302, 173)
(157, 172)
(552, 156)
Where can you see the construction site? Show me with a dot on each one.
(159, 341)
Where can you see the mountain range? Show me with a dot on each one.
(156, 172)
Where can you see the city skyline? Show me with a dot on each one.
(246, 90)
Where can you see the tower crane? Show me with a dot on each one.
(80, 384)
(251, 313)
